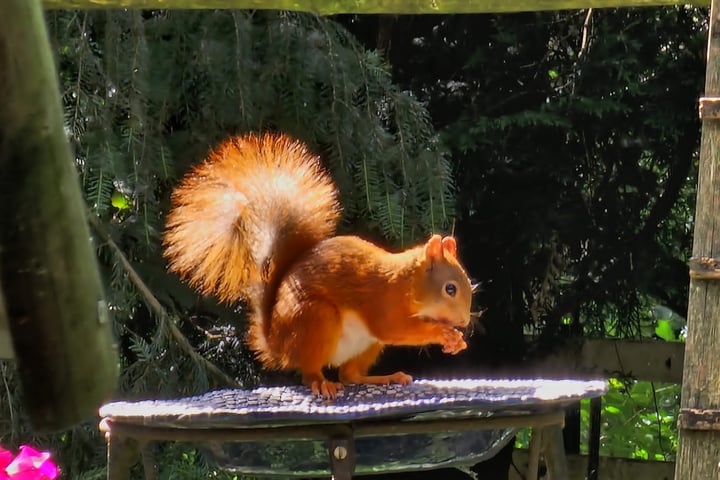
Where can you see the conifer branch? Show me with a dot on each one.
(157, 308)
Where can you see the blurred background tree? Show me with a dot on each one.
(559, 146)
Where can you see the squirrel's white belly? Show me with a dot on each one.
(355, 338)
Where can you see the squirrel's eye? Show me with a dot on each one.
(450, 289)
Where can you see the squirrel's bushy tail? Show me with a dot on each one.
(242, 217)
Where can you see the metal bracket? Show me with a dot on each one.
(342, 456)
(699, 419)
(709, 108)
(705, 268)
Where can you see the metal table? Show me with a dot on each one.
(286, 431)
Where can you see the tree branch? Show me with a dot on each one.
(157, 308)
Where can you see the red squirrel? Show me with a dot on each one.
(256, 221)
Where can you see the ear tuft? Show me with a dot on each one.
(434, 248)
(450, 246)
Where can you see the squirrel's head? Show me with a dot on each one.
(445, 292)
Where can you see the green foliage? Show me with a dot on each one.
(149, 93)
(574, 137)
(639, 420)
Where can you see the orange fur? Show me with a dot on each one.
(256, 220)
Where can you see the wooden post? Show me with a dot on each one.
(58, 320)
(699, 441)
(6, 349)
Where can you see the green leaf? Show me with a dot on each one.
(664, 330)
(119, 201)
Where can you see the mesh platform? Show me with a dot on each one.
(396, 449)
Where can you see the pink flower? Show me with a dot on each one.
(29, 464)
(6, 457)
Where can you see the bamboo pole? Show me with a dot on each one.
(699, 445)
(325, 7)
(58, 321)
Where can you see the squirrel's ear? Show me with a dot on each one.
(434, 248)
(450, 246)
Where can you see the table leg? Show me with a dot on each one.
(534, 456)
(342, 457)
(123, 453)
(150, 466)
(555, 453)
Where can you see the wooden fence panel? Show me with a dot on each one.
(611, 468)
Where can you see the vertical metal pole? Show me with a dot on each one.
(594, 441)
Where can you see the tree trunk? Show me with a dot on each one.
(58, 319)
(699, 442)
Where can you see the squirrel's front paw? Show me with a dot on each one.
(325, 389)
(453, 342)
